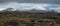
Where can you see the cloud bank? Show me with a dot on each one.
(29, 6)
(23, 6)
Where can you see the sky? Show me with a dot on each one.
(30, 4)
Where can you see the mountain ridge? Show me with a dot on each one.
(30, 11)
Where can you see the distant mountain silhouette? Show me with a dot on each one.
(6, 10)
(37, 11)
(30, 11)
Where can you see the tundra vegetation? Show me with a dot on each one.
(15, 18)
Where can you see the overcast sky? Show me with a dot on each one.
(30, 4)
(31, 1)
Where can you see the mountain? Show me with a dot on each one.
(30, 11)
(37, 11)
(7, 10)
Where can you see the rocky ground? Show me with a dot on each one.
(16, 18)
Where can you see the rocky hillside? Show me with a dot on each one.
(19, 17)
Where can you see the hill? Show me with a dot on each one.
(28, 17)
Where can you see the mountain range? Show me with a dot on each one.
(30, 11)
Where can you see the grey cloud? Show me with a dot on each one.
(33, 1)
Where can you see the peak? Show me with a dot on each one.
(10, 9)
